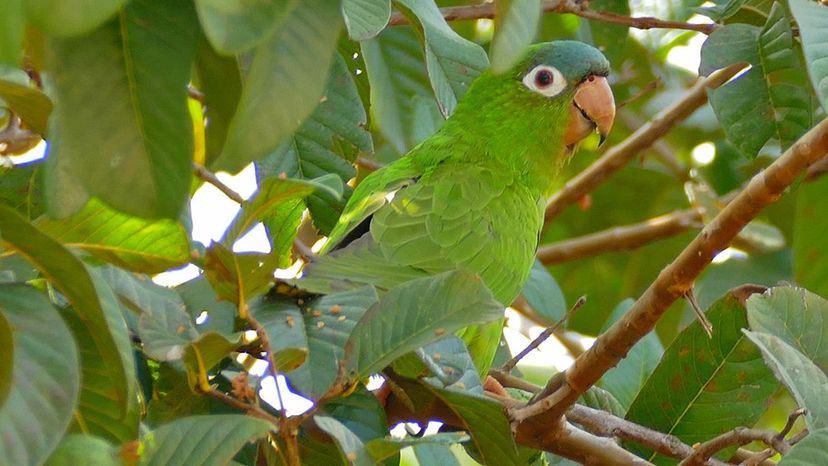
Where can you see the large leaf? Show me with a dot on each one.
(351, 446)
(107, 394)
(705, 386)
(543, 293)
(810, 245)
(284, 84)
(219, 78)
(382, 448)
(365, 18)
(140, 295)
(325, 143)
(21, 187)
(516, 24)
(795, 315)
(84, 450)
(204, 440)
(803, 379)
(328, 321)
(234, 26)
(133, 243)
(435, 453)
(238, 277)
(416, 313)
(165, 332)
(451, 60)
(811, 450)
(629, 375)
(811, 18)
(201, 301)
(284, 324)
(70, 17)
(394, 63)
(203, 353)
(29, 103)
(769, 100)
(121, 103)
(42, 361)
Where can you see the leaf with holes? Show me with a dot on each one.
(769, 100)
(516, 23)
(451, 60)
(124, 86)
(284, 83)
(41, 378)
(222, 436)
(414, 314)
(803, 379)
(705, 386)
(133, 243)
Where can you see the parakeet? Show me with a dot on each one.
(472, 195)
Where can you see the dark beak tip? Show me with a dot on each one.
(603, 138)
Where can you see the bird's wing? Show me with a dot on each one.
(370, 195)
(461, 216)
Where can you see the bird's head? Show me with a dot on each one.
(560, 85)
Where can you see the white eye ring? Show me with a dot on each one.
(545, 80)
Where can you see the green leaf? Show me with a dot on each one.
(133, 243)
(234, 26)
(608, 38)
(199, 297)
(705, 386)
(350, 445)
(107, 394)
(166, 332)
(598, 398)
(516, 23)
(284, 84)
(12, 24)
(70, 17)
(121, 106)
(769, 100)
(28, 102)
(84, 450)
(803, 379)
(431, 453)
(365, 18)
(43, 377)
(394, 63)
(273, 193)
(810, 245)
(219, 78)
(327, 331)
(796, 316)
(543, 293)
(811, 18)
(414, 314)
(361, 412)
(204, 440)
(238, 277)
(21, 187)
(326, 143)
(173, 398)
(63, 192)
(382, 448)
(451, 365)
(140, 295)
(813, 449)
(486, 422)
(451, 60)
(284, 325)
(204, 353)
(629, 375)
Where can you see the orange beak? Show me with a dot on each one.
(593, 108)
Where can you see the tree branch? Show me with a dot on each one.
(210, 177)
(672, 283)
(487, 11)
(621, 238)
(738, 436)
(644, 137)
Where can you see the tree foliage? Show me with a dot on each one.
(141, 102)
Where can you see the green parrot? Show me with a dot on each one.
(472, 195)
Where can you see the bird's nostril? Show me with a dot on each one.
(591, 78)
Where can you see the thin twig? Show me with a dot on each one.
(622, 238)
(738, 436)
(547, 332)
(264, 342)
(487, 11)
(572, 345)
(250, 409)
(661, 150)
(210, 177)
(642, 138)
(674, 280)
(752, 458)
(649, 87)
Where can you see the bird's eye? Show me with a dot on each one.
(545, 80)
